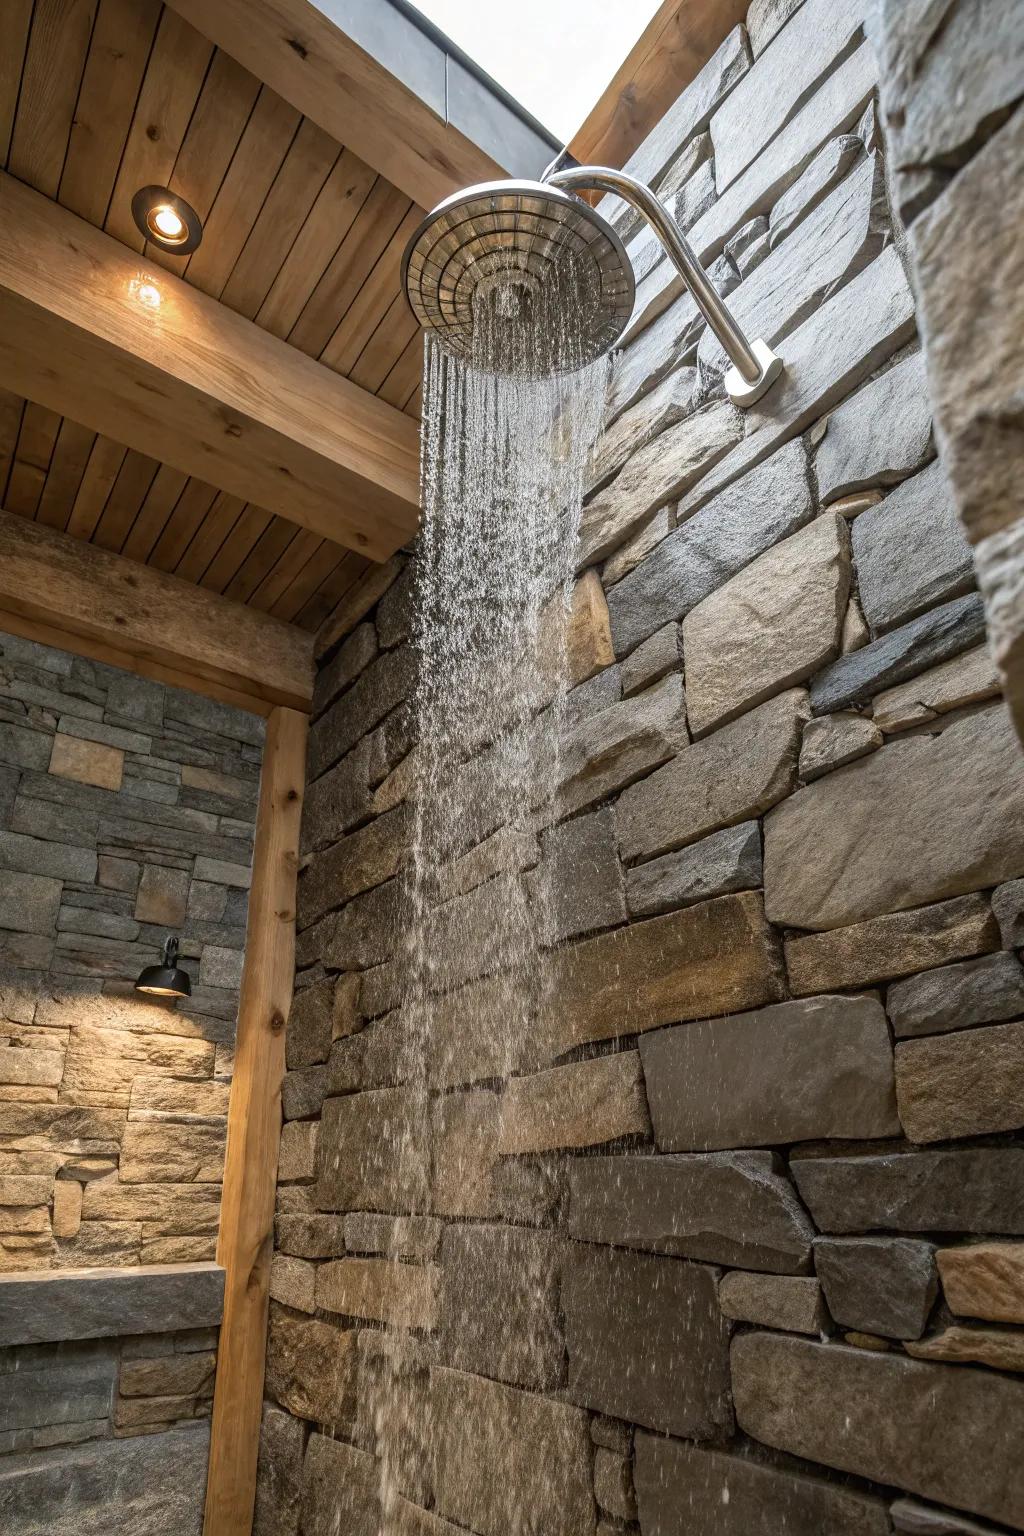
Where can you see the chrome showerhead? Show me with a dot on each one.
(520, 247)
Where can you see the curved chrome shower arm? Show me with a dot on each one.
(755, 365)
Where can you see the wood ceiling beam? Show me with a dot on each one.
(91, 330)
(672, 50)
(82, 598)
(312, 59)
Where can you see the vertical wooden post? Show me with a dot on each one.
(254, 1130)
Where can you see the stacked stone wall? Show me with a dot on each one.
(738, 1247)
(127, 813)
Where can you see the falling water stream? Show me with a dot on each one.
(506, 445)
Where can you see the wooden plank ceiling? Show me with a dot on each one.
(101, 97)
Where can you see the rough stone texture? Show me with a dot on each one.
(105, 1303)
(911, 552)
(668, 403)
(983, 991)
(340, 1489)
(399, 1237)
(823, 173)
(580, 1105)
(895, 658)
(646, 1340)
(792, 1303)
(311, 1369)
(827, 1403)
(279, 1474)
(708, 959)
(925, 1520)
(683, 1488)
(499, 1313)
(1008, 906)
(380, 1290)
(819, 1068)
(939, 1190)
(774, 624)
(870, 827)
(883, 1285)
(160, 1481)
(736, 773)
(879, 436)
(661, 653)
(608, 750)
(891, 946)
(984, 1280)
(999, 1348)
(966, 679)
(491, 1438)
(731, 1208)
(832, 741)
(747, 518)
(579, 882)
(967, 1083)
(368, 1176)
(719, 865)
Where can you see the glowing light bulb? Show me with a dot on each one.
(167, 222)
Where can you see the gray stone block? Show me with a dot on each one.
(29, 903)
(900, 655)
(37, 856)
(978, 1189)
(577, 887)
(279, 1474)
(911, 551)
(1008, 906)
(825, 171)
(646, 1340)
(46, 1306)
(982, 991)
(726, 862)
(735, 1208)
(500, 1316)
(883, 1285)
(880, 435)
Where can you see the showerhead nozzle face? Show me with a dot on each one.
(520, 251)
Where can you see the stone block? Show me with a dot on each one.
(105, 1303)
(384, 684)
(966, 679)
(578, 887)
(87, 762)
(70, 1387)
(499, 1313)
(1008, 906)
(890, 946)
(579, 1105)
(396, 1415)
(1001, 1349)
(23, 1067)
(297, 1157)
(159, 1100)
(878, 436)
(818, 1068)
(984, 1280)
(279, 1474)
(67, 1208)
(320, 1014)
(774, 624)
(464, 1137)
(613, 1485)
(340, 1490)
(380, 1290)
(356, 863)
(719, 865)
(622, 743)
(836, 1405)
(29, 903)
(828, 167)
(157, 1153)
(176, 1375)
(293, 1282)
(397, 1237)
(911, 552)
(883, 1285)
(363, 933)
(169, 1210)
(37, 856)
(361, 1165)
(926, 1520)
(646, 1340)
(978, 1189)
(790, 1302)
(983, 991)
(162, 896)
(747, 518)
(666, 404)
(736, 773)
(832, 741)
(309, 1236)
(351, 658)
(652, 660)
(894, 658)
(683, 1489)
(311, 1369)
(714, 958)
(160, 1481)
(965, 1083)
(581, 637)
(491, 1439)
(734, 1208)
(221, 967)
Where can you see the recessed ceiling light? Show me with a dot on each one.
(166, 220)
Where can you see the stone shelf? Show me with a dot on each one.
(47, 1306)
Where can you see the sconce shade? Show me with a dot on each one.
(166, 979)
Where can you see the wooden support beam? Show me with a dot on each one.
(90, 330)
(306, 51)
(246, 1242)
(64, 592)
(674, 47)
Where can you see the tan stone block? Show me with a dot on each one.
(311, 1369)
(402, 1295)
(169, 1100)
(984, 1280)
(67, 1208)
(177, 1154)
(22, 1219)
(464, 1138)
(136, 1412)
(163, 896)
(178, 1250)
(169, 1210)
(104, 1244)
(580, 1105)
(588, 639)
(292, 1282)
(896, 944)
(107, 1061)
(297, 1158)
(87, 762)
(23, 1067)
(791, 1302)
(1000, 1348)
(25, 1189)
(966, 679)
(216, 783)
(967, 1083)
(169, 1375)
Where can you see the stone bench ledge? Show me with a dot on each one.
(47, 1306)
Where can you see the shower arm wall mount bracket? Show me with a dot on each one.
(755, 367)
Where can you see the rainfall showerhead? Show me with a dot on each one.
(530, 246)
(535, 250)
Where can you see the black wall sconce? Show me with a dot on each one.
(166, 979)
